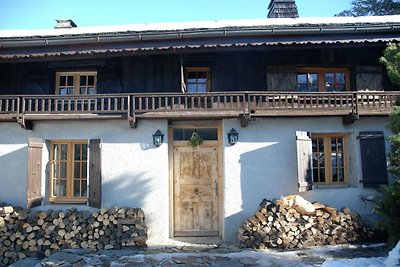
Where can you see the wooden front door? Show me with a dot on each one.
(196, 200)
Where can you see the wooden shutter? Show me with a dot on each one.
(369, 78)
(304, 161)
(34, 182)
(94, 173)
(373, 158)
(281, 78)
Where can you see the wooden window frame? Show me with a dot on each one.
(199, 69)
(76, 75)
(69, 198)
(328, 158)
(321, 71)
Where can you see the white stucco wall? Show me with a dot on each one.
(263, 164)
(135, 173)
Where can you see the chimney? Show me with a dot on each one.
(65, 24)
(282, 9)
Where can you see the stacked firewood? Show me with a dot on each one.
(28, 233)
(293, 222)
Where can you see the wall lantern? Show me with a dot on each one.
(233, 136)
(158, 138)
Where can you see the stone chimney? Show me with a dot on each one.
(282, 9)
(65, 24)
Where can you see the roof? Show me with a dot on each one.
(208, 34)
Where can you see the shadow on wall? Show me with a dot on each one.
(266, 172)
(125, 190)
(13, 166)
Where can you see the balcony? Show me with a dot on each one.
(25, 109)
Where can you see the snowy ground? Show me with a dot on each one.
(223, 255)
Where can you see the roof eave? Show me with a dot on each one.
(194, 34)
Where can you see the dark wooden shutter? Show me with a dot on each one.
(94, 173)
(34, 182)
(281, 78)
(304, 161)
(373, 157)
(369, 77)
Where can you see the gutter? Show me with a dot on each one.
(35, 41)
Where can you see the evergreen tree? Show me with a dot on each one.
(387, 203)
(372, 8)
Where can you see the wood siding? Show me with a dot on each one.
(230, 71)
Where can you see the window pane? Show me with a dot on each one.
(84, 151)
(70, 81)
(63, 169)
(77, 188)
(82, 90)
(302, 88)
(84, 188)
(83, 81)
(334, 175)
(322, 175)
(55, 170)
(313, 88)
(63, 152)
(90, 91)
(191, 88)
(63, 80)
(192, 76)
(201, 88)
(182, 134)
(56, 150)
(84, 169)
(202, 75)
(90, 80)
(329, 78)
(77, 170)
(312, 78)
(301, 78)
(77, 150)
(55, 188)
(341, 175)
(70, 91)
(62, 91)
(340, 78)
(63, 187)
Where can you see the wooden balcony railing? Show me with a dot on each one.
(216, 104)
(9, 107)
(100, 104)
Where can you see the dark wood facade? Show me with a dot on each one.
(230, 70)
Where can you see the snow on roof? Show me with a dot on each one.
(181, 26)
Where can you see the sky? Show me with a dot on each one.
(41, 14)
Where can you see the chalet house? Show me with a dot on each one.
(103, 116)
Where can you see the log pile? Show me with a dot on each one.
(289, 224)
(37, 234)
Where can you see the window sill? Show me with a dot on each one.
(330, 186)
(68, 200)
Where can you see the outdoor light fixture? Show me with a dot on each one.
(233, 137)
(158, 138)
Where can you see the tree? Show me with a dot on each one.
(372, 8)
(387, 202)
(391, 59)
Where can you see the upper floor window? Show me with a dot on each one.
(197, 80)
(329, 159)
(322, 79)
(76, 83)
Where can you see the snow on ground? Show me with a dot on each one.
(394, 257)
(358, 262)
